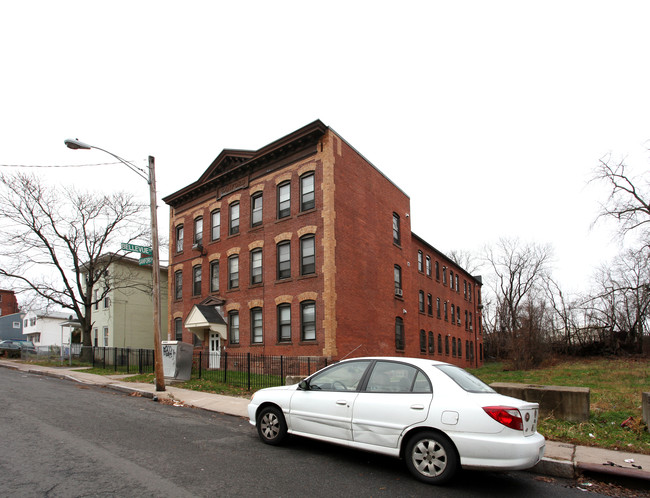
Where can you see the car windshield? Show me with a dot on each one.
(465, 379)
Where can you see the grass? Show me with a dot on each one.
(616, 386)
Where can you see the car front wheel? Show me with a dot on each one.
(431, 457)
(271, 426)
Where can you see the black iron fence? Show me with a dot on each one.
(245, 370)
(253, 371)
(123, 360)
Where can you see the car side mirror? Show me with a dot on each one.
(304, 385)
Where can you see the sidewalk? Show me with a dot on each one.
(560, 459)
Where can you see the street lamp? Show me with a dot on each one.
(151, 180)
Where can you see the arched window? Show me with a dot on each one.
(308, 320)
(307, 255)
(399, 334)
(257, 333)
(307, 198)
(284, 200)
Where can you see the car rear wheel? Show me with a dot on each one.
(431, 457)
(271, 426)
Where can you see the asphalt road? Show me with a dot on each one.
(60, 438)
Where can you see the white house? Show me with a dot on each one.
(45, 328)
(124, 318)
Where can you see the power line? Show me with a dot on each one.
(56, 165)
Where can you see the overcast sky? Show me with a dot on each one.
(490, 115)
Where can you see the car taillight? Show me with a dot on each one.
(506, 415)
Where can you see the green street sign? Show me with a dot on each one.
(145, 261)
(134, 248)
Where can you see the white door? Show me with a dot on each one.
(215, 350)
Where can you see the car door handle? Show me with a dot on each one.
(417, 407)
(341, 402)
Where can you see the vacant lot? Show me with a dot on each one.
(616, 386)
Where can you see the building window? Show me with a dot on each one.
(398, 280)
(178, 285)
(457, 286)
(179, 238)
(423, 341)
(198, 230)
(307, 197)
(437, 271)
(284, 322)
(105, 337)
(307, 255)
(257, 333)
(308, 320)
(284, 200)
(444, 275)
(215, 225)
(420, 261)
(233, 327)
(96, 334)
(178, 329)
(214, 276)
(233, 271)
(96, 299)
(469, 292)
(196, 280)
(234, 219)
(439, 344)
(447, 345)
(445, 309)
(429, 305)
(428, 263)
(451, 280)
(458, 316)
(453, 346)
(465, 288)
(397, 236)
(256, 266)
(453, 314)
(471, 327)
(460, 348)
(432, 346)
(284, 260)
(438, 307)
(399, 334)
(421, 301)
(107, 302)
(256, 209)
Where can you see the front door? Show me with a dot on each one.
(215, 350)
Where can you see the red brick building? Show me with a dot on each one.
(304, 248)
(8, 303)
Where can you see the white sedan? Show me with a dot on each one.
(434, 415)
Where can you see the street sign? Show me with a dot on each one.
(134, 248)
(145, 261)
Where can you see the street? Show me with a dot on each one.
(61, 438)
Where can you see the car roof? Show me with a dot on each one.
(420, 362)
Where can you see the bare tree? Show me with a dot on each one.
(622, 300)
(466, 260)
(518, 272)
(57, 243)
(628, 201)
